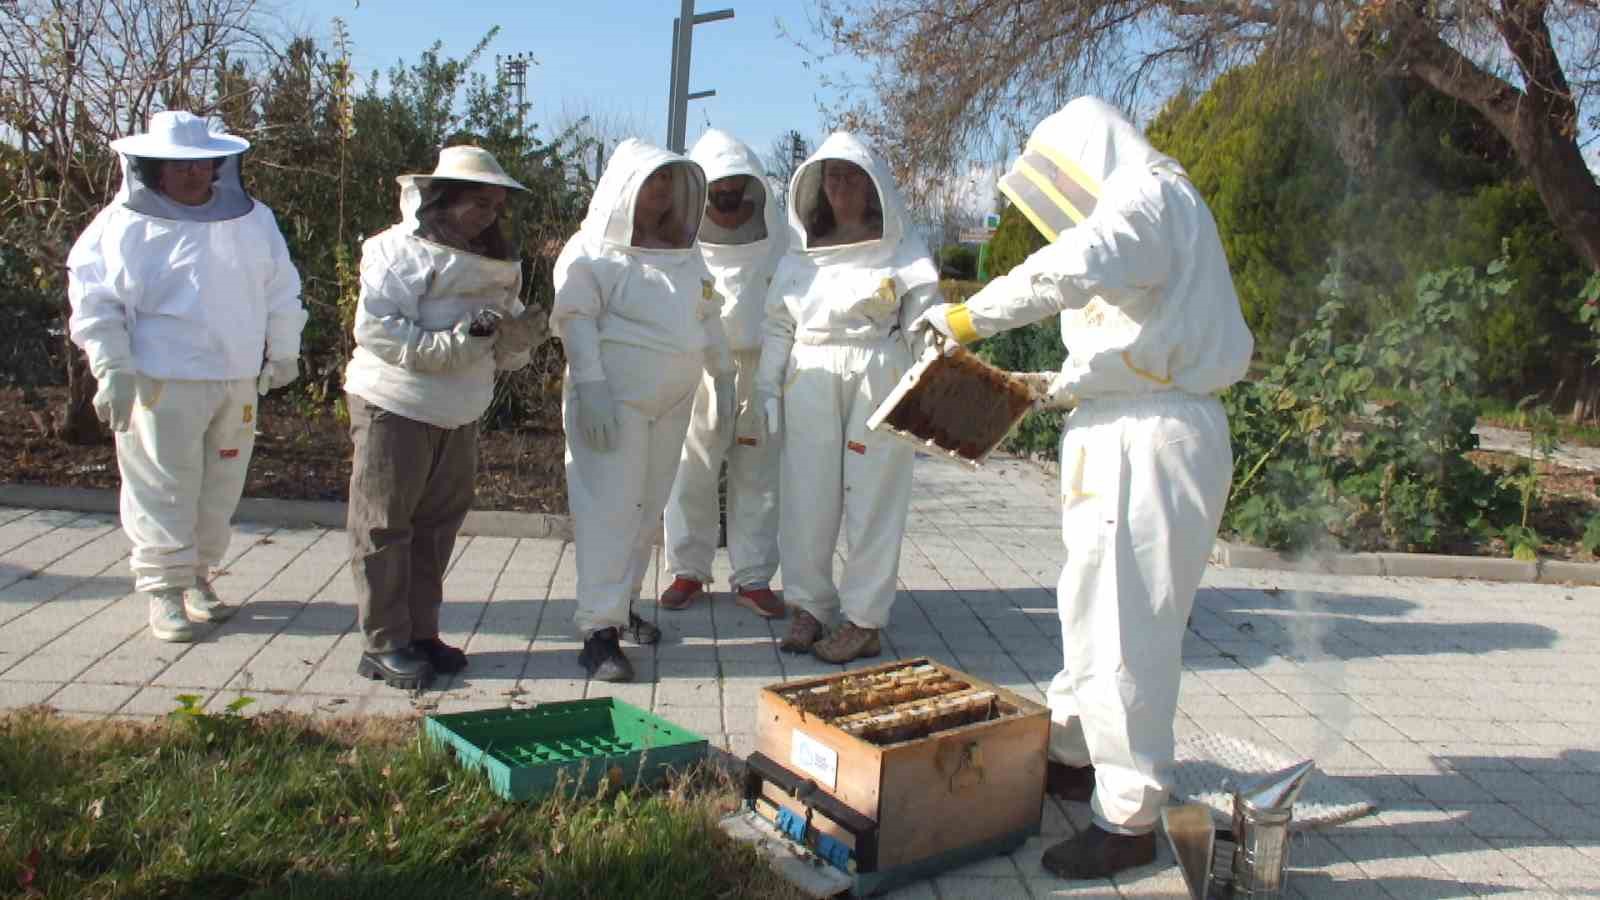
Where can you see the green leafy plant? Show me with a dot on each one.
(211, 728)
(1591, 535)
(1589, 311)
(1317, 458)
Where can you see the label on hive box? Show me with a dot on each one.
(814, 758)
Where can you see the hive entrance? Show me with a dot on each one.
(897, 705)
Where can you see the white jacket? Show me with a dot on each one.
(855, 293)
(186, 300)
(610, 292)
(743, 272)
(413, 293)
(1141, 282)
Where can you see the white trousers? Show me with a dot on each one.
(617, 496)
(183, 461)
(833, 468)
(692, 514)
(1143, 483)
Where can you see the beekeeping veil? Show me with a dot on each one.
(1057, 181)
(178, 135)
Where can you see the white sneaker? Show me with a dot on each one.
(167, 621)
(203, 605)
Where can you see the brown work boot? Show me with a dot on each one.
(804, 630)
(850, 641)
(681, 593)
(1097, 853)
(761, 601)
(1074, 783)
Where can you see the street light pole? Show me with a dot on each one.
(514, 72)
(682, 50)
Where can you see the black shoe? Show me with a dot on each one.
(641, 631)
(1097, 853)
(446, 660)
(602, 657)
(403, 668)
(1074, 783)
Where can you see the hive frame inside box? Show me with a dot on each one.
(527, 751)
(907, 390)
(910, 809)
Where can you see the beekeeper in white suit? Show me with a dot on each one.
(742, 238)
(1153, 331)
(187, 305)
(641, 322)
(837, 339)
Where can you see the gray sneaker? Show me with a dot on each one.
(203, 605)
(167, 621)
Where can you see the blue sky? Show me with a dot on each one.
(604, 56)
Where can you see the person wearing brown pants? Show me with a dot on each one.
(438, 316)
(411, 487)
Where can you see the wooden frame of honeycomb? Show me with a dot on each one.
(955, 406)
(889, 707)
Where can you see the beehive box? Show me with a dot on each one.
(955, 407)
(912, 766)
(527, 751)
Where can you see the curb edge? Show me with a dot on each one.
(290, 513)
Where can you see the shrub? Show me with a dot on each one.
(1315, 461)
(958, 261)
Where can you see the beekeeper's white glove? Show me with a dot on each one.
(597, 415)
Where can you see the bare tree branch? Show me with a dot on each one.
(953, 81)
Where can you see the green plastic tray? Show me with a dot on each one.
(526, 751)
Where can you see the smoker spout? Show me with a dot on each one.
(1276, 791)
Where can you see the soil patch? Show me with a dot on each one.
(1567, 499)
(302, 453)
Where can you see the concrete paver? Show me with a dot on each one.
(1466, 710)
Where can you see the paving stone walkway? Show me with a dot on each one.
(1469, 711)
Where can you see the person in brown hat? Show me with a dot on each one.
(439, 314)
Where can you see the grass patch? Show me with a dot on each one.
(281, 806)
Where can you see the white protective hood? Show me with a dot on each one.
(608, 225)
(1058, 179)
(806, 185)
(228, 197)
(850, 291)
(1135, 267)
(742, 271)
(608, 290)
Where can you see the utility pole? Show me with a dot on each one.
(513, 71)
(678, 91)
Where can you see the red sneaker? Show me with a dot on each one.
(683, 592)
(761, 601)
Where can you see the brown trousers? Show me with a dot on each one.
(411, 485)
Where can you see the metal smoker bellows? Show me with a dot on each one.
(1254, 862)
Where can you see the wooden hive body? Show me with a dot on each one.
(948, 767)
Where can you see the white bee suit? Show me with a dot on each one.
(194, 300)
(743, 272)
(414, 292)
(647, 323)
(1153, 329)
(836, 341)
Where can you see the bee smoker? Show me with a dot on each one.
(1252, 864)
